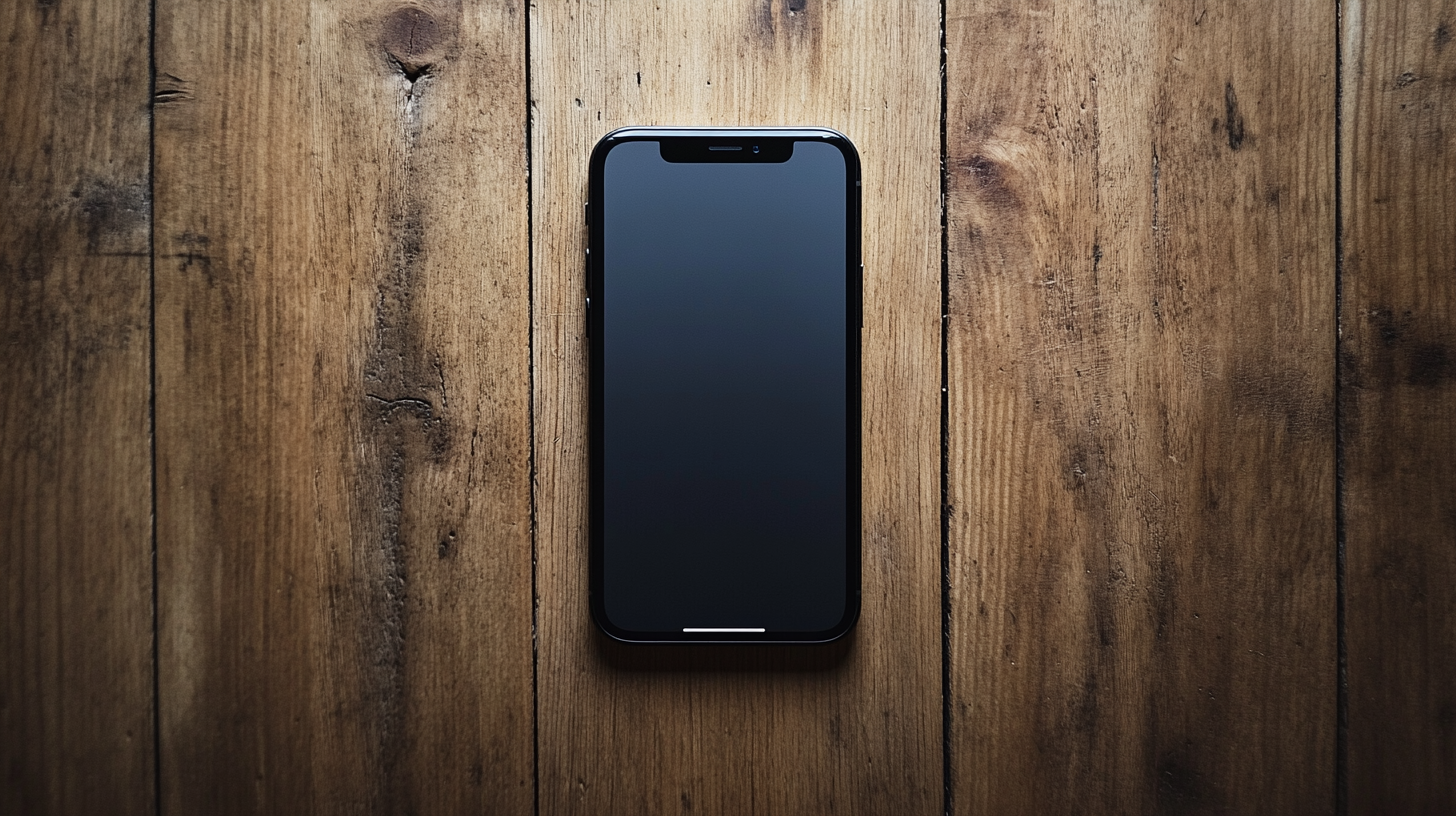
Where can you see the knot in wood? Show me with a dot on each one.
(989, 176)
(412, 38)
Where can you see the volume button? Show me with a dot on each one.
(587, 278)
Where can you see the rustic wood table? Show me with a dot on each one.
(1159, 413)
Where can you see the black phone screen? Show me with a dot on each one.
(724, 334)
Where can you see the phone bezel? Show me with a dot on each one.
(688, 140)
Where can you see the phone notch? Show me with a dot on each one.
(744, 149)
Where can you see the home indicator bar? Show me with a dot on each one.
(722, 630)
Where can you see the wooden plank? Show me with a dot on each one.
(849, 730)
(343, 408)
(1141, 376)
(1398, 402)
(76, 727)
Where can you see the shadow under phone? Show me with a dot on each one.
(733, 657)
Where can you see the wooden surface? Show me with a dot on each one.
(633, 730)
(76, 695)
(1398, 403)
(1194, 445)
(343, 448)
(1141, 349)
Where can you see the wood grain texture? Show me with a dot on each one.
(76, 713)
(343, 408)
(1141, 378)
(1140, 444)
(1398, 402)
(852, 729)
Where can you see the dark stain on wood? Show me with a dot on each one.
(1442, 37)
(387, 611)
(988, 177)
(398, 422)
(1430, 365)
(41, 268)
(408, 426)
(399, 375)
(115, 215)
(1407, 353)
(1181, 788)
(1233, 117)
(1388, 327)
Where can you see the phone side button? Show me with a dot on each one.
(588, 318)
(861, 296)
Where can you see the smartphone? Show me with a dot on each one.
(723, 315)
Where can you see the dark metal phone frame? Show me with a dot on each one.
(716, 145)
